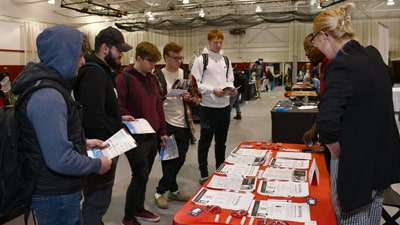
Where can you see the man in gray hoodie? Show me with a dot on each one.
(49, 122)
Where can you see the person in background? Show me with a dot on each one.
(215, 109)
(139, 96)
(240, 83)
(101, 115)
(51, 123)
(318, 61)
(179, 122)
(258, 72)
(356, 120)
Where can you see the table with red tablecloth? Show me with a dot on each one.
(322, 212)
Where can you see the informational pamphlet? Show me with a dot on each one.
(283, 188)
(178, 87)
(224, 199)
(249, 152)
(171, 149)
(238, 170)
(234, 183)
(245, 160)
(290, 163)
(117, 144)
(139, 126)
(294, 155)
(280, 210)
(284, 174)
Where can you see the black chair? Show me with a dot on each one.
(391, 198)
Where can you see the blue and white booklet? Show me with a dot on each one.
(117, 144)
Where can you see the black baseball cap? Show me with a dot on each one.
(114, 37)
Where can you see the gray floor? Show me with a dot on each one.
(255, 125)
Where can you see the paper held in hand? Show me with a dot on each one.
(117, 144)
(170, 151)
(139, 126)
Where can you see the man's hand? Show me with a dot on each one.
(105, 164)
(128, 118)
(91, 143)
(219, 92)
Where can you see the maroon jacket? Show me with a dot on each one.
(143, 100)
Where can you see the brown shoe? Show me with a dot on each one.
(182, 197)
(161, 202)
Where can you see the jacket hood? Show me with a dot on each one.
(33, 72)
(208, 51)
(59, 49)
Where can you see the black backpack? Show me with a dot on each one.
(205, 64)
(18, 171)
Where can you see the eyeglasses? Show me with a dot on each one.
(150, 61)
(177, 58)
(314, 36)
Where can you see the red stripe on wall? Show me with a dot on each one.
(11, 50)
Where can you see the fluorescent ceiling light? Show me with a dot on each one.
(390, 2)
(52, 2)
(258, 9)
(185, 2)
(201, 13)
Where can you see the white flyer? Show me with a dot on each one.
(224, 199)
(280, 210)
(283, 188)
(238, 170)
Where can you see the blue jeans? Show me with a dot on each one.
(57, 209)
(234, 102)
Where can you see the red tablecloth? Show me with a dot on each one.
(322, 212)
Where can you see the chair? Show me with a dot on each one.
(391, 198)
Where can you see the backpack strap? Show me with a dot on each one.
(159, 75)
(205, 64)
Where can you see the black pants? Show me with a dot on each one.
(171, 167)
(213, 122)
(141, 161)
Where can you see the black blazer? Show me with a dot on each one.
(356, 109)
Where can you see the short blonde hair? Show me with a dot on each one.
(335, 22)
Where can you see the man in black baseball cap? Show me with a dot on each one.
(114, 37)
(95, 90)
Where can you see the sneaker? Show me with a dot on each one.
(147, 216)
(203, 180)
(161, 202)
(182, 197)
(130, 222)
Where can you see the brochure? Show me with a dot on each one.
(283, 188)
(238, 170)
(178, 87)
(117, 144)
(224, 199)
(280, 210)
(294, 155)
(171, 149)
(290, 163)
(245, 160)
(287, 174)
(232, 183)
(139, 126)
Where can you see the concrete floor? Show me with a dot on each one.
(255, 125)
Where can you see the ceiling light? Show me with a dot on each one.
(151, 17)
(52, 2)
(258, 9)
(390, 2)
(185, 2)
(201, 13)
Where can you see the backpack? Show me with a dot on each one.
(18, 171)
(205, 64)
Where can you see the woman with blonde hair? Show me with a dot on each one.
(356, 120)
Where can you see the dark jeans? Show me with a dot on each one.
(213, 122)
(171, 167)
(141, 160)
(97, 194)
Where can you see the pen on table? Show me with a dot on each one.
(228, 220)
(243, 220)
(216, 219)
(251, 221)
